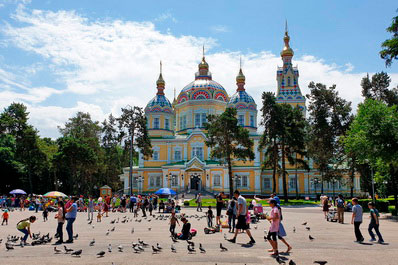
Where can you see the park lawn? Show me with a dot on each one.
(212, 202)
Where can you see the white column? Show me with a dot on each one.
(185, 152)
(226, 180)
(140, 159)
(256, 154)
(164, 177)
(257, 181)
(168, 152)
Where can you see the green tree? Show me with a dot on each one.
(80, 156)
(10, 167)
(31, 160)
(269, 139)
(113, 152)
(390, 46)
(329, 119)
(132, 123)
(283, 138)
(373, 138)
(228, 140)
(377, 88)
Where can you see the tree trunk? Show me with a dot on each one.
(322, 182)
(352, 184)
(394, 176)
(296, 180)
(284, 173)
(275, 156)
(231, 187)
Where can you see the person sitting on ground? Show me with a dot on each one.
(161, 206)
(24, 227)
(185, 231)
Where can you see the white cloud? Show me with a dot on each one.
(220, 28)
(166, 16)
(114, 63)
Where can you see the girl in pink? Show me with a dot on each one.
(273, 231)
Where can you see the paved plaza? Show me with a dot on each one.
(333, 242)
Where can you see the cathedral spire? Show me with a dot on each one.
(287, 51)
(203, 66)
(160, 84)
(240, 78)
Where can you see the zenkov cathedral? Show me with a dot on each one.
(181, 160)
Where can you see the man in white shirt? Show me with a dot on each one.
(242, 221)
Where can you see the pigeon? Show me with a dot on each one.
(279, 260)
(113, 229)
(305, 223)
(202, 250)
(173, 249)
(255, 227)
(109, 248)
(136, 249)
(294, 229)
(320, 262)
(308, 228)
(91, 221)
(67, 250)
(223, 248)
(132, 230)
(155, 250)
(149, 228)
(56, 251)
(76, 236)
(101, 254)
(174, 240)
(310, 237)
(92, 242)
(225, 236)
(120, 248)
(191, 243)
(158, 246)
(291, 262)
(107, 233)
(77, 253)
(190, 250)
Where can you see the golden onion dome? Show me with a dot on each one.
(160, 81)
(203, 64)
(287, 51)
(240, 78)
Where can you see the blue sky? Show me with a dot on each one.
(59, 57)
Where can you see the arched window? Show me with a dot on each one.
(217, 180)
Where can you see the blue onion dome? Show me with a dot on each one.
(241, 99)
(159, 103)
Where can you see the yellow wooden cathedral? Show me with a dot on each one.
(181, 160)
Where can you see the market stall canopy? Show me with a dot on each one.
(54, 194)
(165, 191)
(17, 191)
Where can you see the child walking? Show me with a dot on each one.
(210, 217)
(173, 222)
(374, 223)
(274, 218)
(24, 227)
(45, 214)
(5, 217)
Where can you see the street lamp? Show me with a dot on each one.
(315, 182)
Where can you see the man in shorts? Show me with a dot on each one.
(219, 206)
(242, 223)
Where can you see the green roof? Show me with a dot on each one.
(182, 162)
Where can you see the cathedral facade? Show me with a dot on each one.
(181, 160)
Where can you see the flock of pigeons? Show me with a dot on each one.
(140, 246)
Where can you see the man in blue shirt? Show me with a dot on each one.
(70, 217)
(357, 219)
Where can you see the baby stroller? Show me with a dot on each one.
(332, 215)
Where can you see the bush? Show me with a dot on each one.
(381, 205)
(392, 210)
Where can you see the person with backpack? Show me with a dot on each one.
(340, 208)
(24, 227)
(374, 223)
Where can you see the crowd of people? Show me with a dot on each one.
(237, 212)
